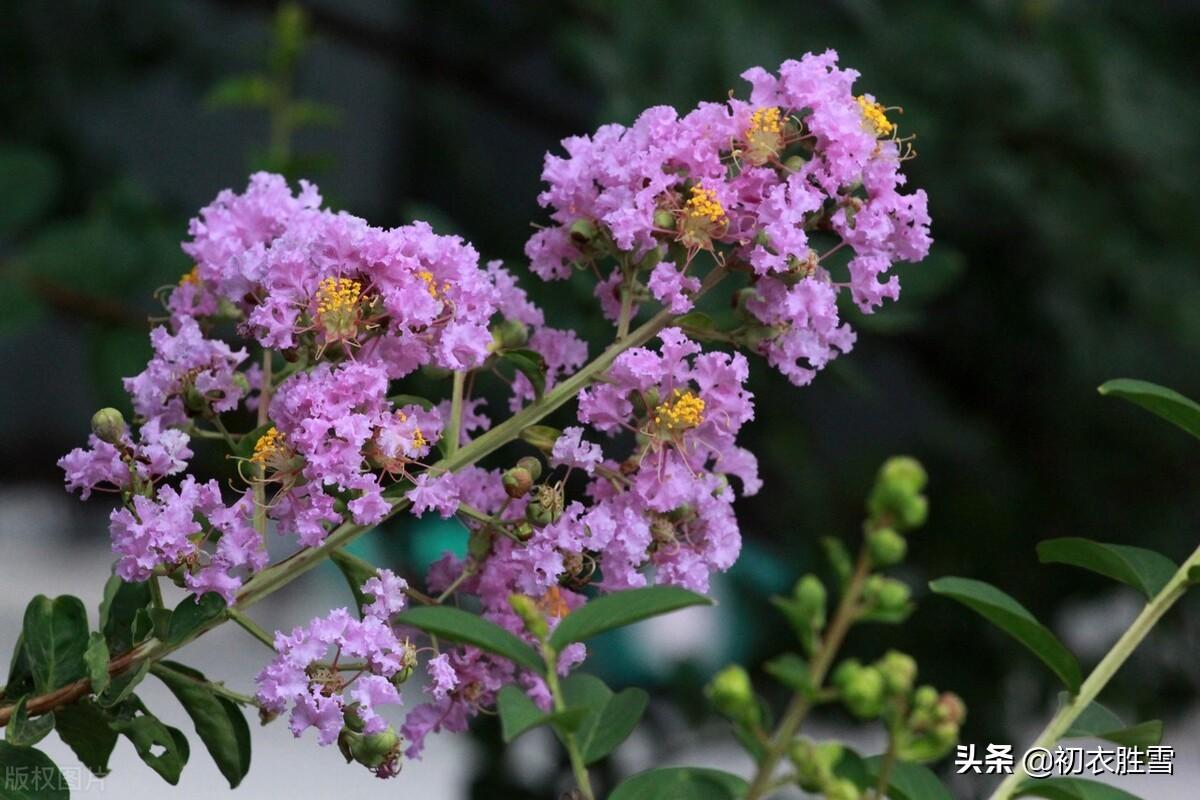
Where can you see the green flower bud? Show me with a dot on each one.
(794, 163)
(509, 334)
(925, 698)
(845, 672)
(842, 789)
(374, 749)
(732, 694)
(527, 609)
(814, 762)
(530, 465)
(539, 515)
(904, 473)
(886, 547)
(542, 437)
(886, 594)
(914, 511)
(347, 740)
(582, 231)
(899, 672)
(524, 531)
(353, 722)
(863, 693)
(517, 482)
(664, 219)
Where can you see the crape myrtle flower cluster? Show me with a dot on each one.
(758, 183)
(311, 319)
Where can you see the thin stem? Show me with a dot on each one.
(578, 767)
(454, 428)
(886, 765)
(225, 434)
(1104, 671)
(156, 596)
(457, 582)
(251, 627)
(260, 470)
(626, 316)
(823, 659)
(282, 573)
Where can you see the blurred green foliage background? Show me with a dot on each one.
(1057, 143)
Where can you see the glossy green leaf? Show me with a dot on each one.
(27, 773)
(461, 626)
(532, 365)
(96, 659)
(356, 571)
(681, 783)
(26, 731)
(1098, 722)
(1071, 789)
(190, 616)
(84, 727)
(118, 610)
(20, 679)
(1014, 619)
(55, 633)
(792, 671)
(838, 557)
(619, 609)
(1144, 570)
(121, 686)
(1166, 403)
(519, 714)
(164, 749)
(219, 723)
(610, 718)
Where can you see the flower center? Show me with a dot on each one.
(704, 205)
(874, 116)
(270, 450)
(338, 301)
(192, 277)
(765, 120)
(682, 411)
(430, 283)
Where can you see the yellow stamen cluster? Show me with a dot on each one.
(192, 277)
(430, 282)
(419, 439)
(683, 410)
(269, 446)
(874, 115)
(703, 204)
(337, 296)
(765, 120)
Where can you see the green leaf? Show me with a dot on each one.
(190, 615)
(1014, 619)
(29, 774)
(219, 723)
(532, 365)
(84, 727)
(461, 626)
(240, 91)
(164, 749)
(1071, 789)
(610, 717)
(1144, 570)
(55, 634)
(838, 557)
(23, 731)
(908, 781)
(118, 610)
(1166, 403)
(29, 181)
(792, 671)
(402, 400)
(519, 714)
(616, 610)
(678, 783)
(96, 659)
(888, 616)
(121, 686)
(20, 679)
(356, 571)
(1193, 576)
(613, 724)
(1098, 722)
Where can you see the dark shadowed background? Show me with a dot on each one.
(1058, 144)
